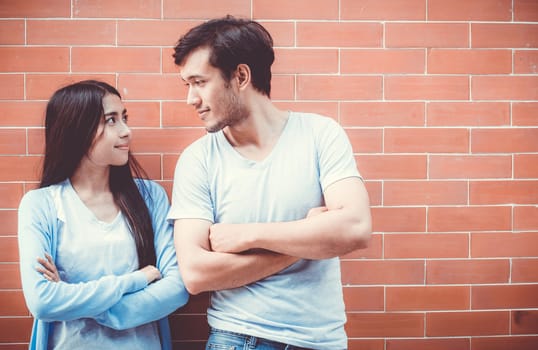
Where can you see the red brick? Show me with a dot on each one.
(489, 245)
(425, 298)
(339, 34)
(10, 195)
(164, 140)
(467, 271)
(526, 218)
(388, 324)
(12, 32)
(151, 163)
(138, 60)
(11, 277)
(504, 87)
(514, 140)
(36, 141)
(305, 61)
(34, 59)
(443, 324)
(34, 8)
(468, 114)
(483, 218)
(386, 10)
(116, 9)
(42, 86)
(525, 11)
(426, 140)
(338, 87)
(205, 10)
(354, 61)
(505, 296)
(525, 322)
(503, 192)
(525, 62)
(393, 166)
(382, 113)
(476, 10)
(525, 166)
(446, 61)
(448, 35)
(15, 330)
(300, 9)
(283, 33)
(424, 192)
(399, 219)
(12, 141)
(152, 32)
(362, 344)
(428, 344)
(22, 113)
(13, 303)
(283, 87)
(19, 168)
(11, 86)
(524, 114)
(169, 165)
(525, 270)
(384, 272)
(197, 304)
(71, 32)
(428, 246)
(163, 87)
(504, 35)
(364, 298)
(366, 140)
(8, 218)
(504, 343)
(473, 167)
(143, 114)
(427, 88)
(10, 249)
(329, 109)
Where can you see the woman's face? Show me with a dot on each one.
(112, 139)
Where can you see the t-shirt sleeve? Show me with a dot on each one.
(191, 198)
(336, 160)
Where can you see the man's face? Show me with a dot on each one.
(216, 100)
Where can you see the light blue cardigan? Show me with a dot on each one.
(118, 302)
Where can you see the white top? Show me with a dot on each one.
(87, 250)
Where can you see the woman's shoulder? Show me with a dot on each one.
(149, 187)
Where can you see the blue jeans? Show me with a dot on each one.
(224, 340)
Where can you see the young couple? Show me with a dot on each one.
(262, 206)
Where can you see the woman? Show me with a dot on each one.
(106, 274)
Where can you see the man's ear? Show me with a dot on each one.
(242, 74)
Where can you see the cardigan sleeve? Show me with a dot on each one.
(163, 296)
(38, 227)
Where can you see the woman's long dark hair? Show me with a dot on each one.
(72, 118)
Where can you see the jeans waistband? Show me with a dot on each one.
(254, 341)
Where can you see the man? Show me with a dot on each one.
(265, 202)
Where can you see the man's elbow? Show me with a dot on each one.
(193, 281)
(361, 233)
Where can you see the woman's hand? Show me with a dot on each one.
(48, 269)
(151, 272)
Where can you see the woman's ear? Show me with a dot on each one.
(242, 75)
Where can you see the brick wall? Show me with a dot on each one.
(439, 99)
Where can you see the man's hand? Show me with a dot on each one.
(228, 238)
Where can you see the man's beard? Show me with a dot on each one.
(234, 112)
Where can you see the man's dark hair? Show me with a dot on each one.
(232, 41)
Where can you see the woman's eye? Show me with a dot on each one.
(125, 118)
(110, 120)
